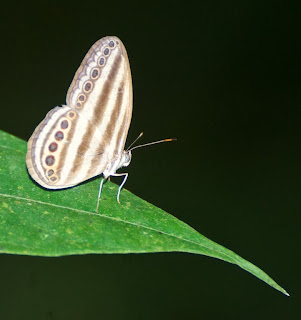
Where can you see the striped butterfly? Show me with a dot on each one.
(86, 137)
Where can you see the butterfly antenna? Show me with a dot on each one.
(151, 143)
(140, 135)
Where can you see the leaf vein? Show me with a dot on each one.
(115, 219)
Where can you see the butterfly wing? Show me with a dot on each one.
(79, 141)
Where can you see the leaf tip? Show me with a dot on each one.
(286, 293)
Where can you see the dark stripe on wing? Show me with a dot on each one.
(108, 142)
(98, 115)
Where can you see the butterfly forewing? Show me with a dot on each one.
(78, 141)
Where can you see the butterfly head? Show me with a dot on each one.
(126, 158)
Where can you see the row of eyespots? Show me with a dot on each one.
(95, 73)
(53, 146)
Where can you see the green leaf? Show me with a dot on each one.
(36, 221)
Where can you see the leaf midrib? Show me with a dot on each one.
(114, 219)
(108, 217)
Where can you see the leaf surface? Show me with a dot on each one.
(36, 221)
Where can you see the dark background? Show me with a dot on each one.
(223, 77)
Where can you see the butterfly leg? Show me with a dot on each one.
(99, 193)
(122, 184)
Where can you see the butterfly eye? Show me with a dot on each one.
(127, 158)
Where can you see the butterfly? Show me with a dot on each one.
(86, 137)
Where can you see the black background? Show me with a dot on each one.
(223, 77)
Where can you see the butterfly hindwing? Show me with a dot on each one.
(52, 150)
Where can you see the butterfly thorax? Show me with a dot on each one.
(123, 161)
